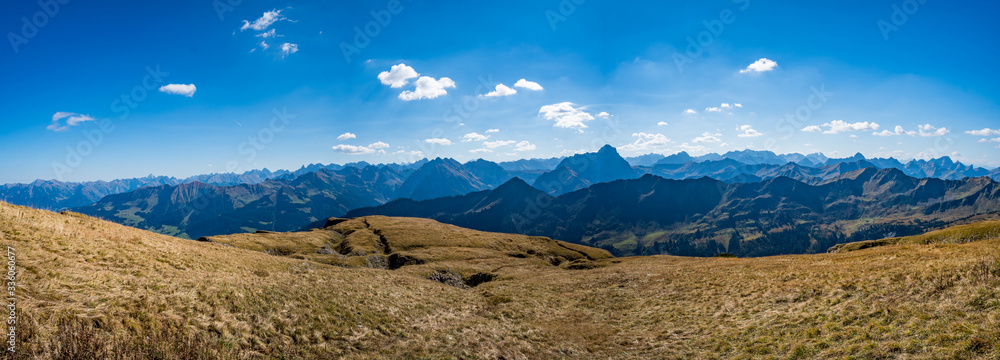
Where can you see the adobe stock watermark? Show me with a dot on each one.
(714, 28)
(31, 27)
(562, 12)
(942, 147)
(249, 148)
(264, 137)
(11, 300)
(222, 7)
(363, 35)
(461, 111)
(793, 122)
(93, 138)
(469, 104)
(900, 15)
(536, 207)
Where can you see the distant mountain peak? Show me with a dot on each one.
(440, 160)
(515, 181)
(608, 149)
(515, 186)
(582, 170)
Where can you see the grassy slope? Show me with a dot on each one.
(952, 235)
(154, 296)
(414, 241)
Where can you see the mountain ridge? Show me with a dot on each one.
(56, 195)
(651, 214)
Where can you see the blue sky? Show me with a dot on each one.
(644, 76)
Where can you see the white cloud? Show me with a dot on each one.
(662, 123)
(840, 126)
(603, 115)
(428, 88)
(524, 146)
(720, 108)
(566, 116)
(287, 49)
(438, 141)
(355, 150)
(927, 155)
(346, 136)
(738, 105)
(379, 145)
(690, 111)
(897, 131)
(749, 131)
(263, 45)
(707, 137)
(415, 153)
(530, 85)
(265, 21)
(498, 143)
(927, 130)
(480, 151)
(179, 89)
(759, 66)
(984, 132)
(62, 121)
(501, 90)
(474, 137)
(646, 142)
(492, 131)
(268, 34)
(397, 76)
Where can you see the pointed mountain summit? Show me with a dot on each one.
(447, 177)
(515, 186)
(857, 157)
(582, 170)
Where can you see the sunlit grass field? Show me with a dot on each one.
(392, 288)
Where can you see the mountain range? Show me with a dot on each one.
(705, 217)
(196, 209)
(489, 196)
(57, 195)
(749, 166)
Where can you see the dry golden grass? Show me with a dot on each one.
(413, 241)
(130, 292)
(959, 234)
